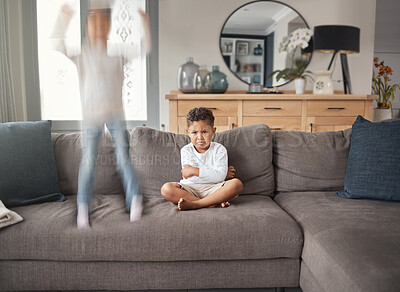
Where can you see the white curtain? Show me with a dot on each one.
(7, 104)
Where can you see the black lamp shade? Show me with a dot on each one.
(337, 38)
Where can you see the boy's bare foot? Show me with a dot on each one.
(225, 204)
(192, 205)
(184, 205)
(222, 205)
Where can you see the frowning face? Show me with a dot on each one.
(201, 133)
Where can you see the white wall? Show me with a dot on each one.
(192, 28)
(281, 31)
(387, 41)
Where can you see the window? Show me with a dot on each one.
(59, 83)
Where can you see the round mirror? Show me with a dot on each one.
(255, 41)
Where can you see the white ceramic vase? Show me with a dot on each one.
(300, 85)
(381, 114)
(323, 83)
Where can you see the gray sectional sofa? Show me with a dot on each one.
(286, 229)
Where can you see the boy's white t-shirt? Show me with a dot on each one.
(212, 164)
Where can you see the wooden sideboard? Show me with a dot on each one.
(306, 112)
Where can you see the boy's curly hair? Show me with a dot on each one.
(200, 114)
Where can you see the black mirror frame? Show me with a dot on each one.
(255, 37)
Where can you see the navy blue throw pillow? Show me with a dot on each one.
(373, 168)
(28, 172)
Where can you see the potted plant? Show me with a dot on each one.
(293, 44)
(386, 92)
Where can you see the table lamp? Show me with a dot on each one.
(335, 39)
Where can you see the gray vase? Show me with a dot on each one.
(186, 74)
(200, 80)
(216, 81)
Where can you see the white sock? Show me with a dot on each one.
(136, 208)
(82, 219)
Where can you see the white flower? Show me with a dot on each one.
(293, 39)
(304, 33)
(303, 44)
(298, 38)
(283, 44)
(292, 46)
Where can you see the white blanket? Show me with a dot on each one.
(8, 217)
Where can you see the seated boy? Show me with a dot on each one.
(204, 168)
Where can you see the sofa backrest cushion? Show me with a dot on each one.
(68, 154)
(156, 157)
(250, 152)
(310, 161)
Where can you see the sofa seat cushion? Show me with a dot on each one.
(349, 245)
(253, 227)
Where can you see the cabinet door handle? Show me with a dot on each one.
(272, 108)
(275, 129)
(233, 126)
(211, 108)
(336, 108)
(311, 127)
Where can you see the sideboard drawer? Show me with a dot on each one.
(220, 108)
(324, 124)
(318, 108)
(275, 123)
(271, 108)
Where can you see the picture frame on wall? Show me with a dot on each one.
(242, 48)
